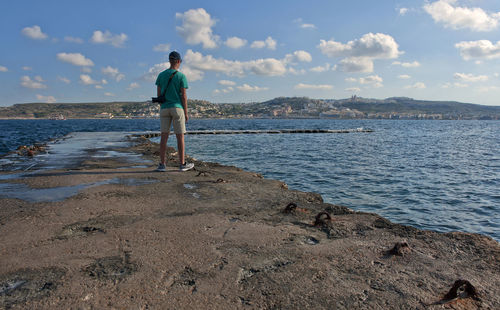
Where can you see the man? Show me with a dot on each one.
(173, 84)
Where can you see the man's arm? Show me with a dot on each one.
(184, 102)
(158, 91)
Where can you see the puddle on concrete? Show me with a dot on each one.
(70, 151)
(27, 284)
(134, 167)
(189, 186)
(311, 241)
(54, 194)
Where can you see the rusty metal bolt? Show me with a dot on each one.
(322, 218)
(291, 207)
(400, 249)
(466, 288)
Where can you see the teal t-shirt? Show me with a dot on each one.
(173, 93)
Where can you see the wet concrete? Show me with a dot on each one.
(28, 284)
(54, 194)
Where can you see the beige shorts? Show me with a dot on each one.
(172, 115)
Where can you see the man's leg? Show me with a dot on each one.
(163, 147)
(180, 147)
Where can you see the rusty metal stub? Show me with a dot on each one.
(462, 289)
(290, 208)
(400, 248)
(322, 219)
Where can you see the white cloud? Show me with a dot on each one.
(267, 66)
(226, 83)
(76, 59)
(85, 79)
(64, 80)
(303, 25)
(360, 53)
(114, 73)
(248, 88)
(296, 72)
(86, 70)
(496, 74)
(313, 87)
(456, 84)
(164, 48)
(34, 32)
(470, 77)
(270, 43)
(475, 19)
(298, 56)
(133, 85)
(36, 83)
(192, 75)
(403, 11)
(196, 28)
(98, 87)
(414, 64)
(374, 81)
(482, 49)
(26, 68)
(484, 89)
(353, 89)
(418, 85)
(356, 64)
(196, 64)
(308, 26)
(404, 77)
(228, 90)
(73, 39)
(3, 69)
(258, 44)
(116, 40)
(46, 99)
(235, 42)
(319, 69)
(370, 45)
(109, 94)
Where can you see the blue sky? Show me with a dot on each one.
(244, 51)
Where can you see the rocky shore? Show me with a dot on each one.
(218, 237)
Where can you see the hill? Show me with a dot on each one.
(281, 107)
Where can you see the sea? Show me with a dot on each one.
(436, 175)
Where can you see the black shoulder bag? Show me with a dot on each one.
(161, 98)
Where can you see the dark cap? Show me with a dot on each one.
(174, 56)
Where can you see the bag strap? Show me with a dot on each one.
(169, 80)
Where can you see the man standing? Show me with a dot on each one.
(173, 84)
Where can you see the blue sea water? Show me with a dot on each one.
(438, 175)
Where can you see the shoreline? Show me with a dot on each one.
(220, 237)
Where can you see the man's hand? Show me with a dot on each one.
(186, 116)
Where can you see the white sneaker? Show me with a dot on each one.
(186, 167)
(161, 168)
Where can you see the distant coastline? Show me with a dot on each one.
(281, 107)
